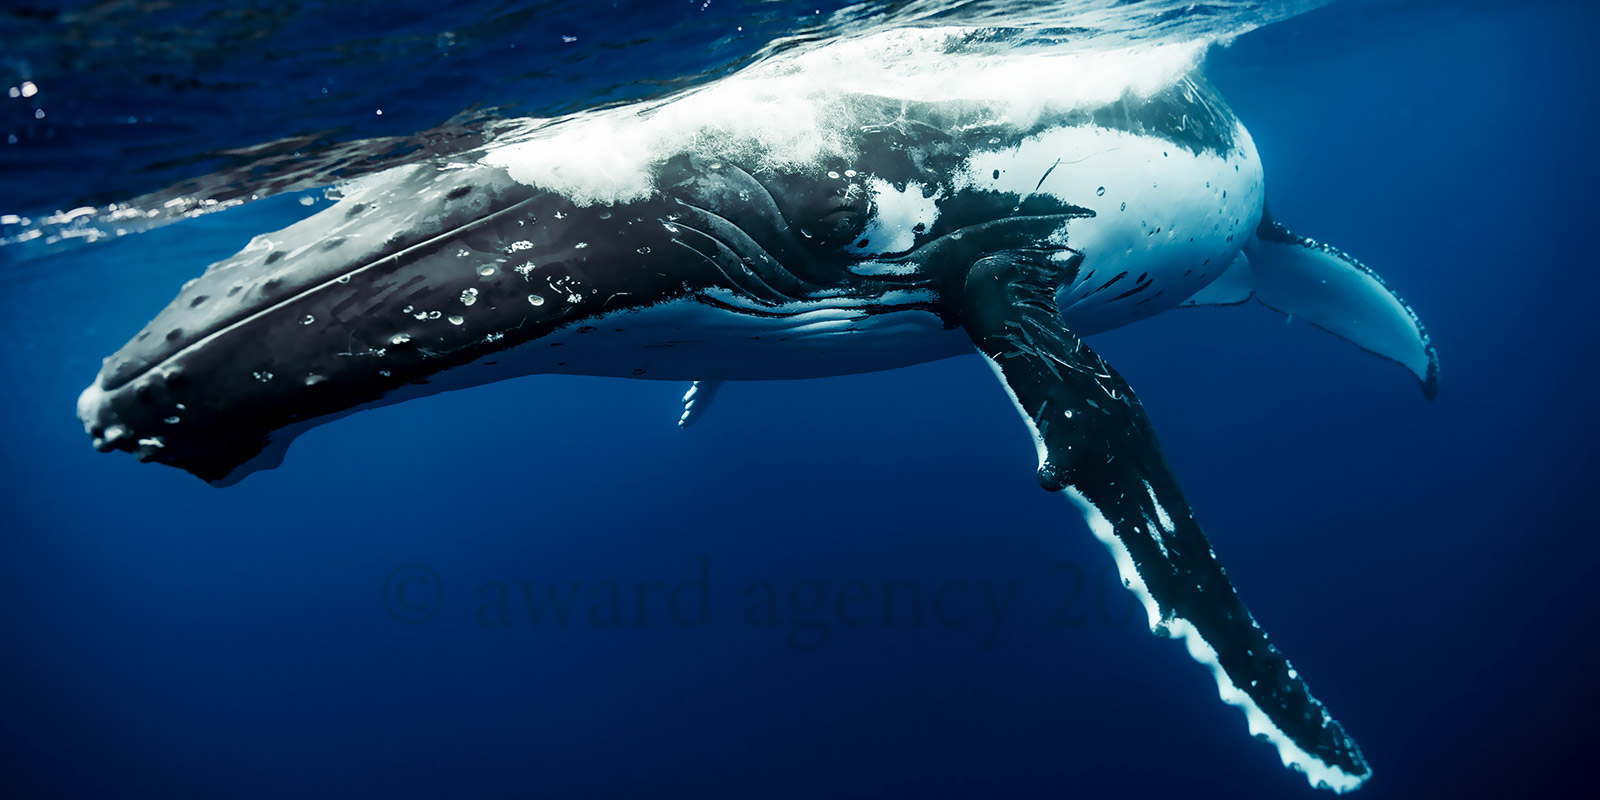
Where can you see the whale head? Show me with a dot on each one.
(413, 272)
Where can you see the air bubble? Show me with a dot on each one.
(1100, 192)
(434, 315)
(263, 376)
(400, 338)
(307, 319)
(580, 245)
(643, 251)
(534, 299)
(408, 309)
(469, 296)
(494, 337)
(171, 420)
(456, 319)
(487, 270)
(313, 380)
(833, 175)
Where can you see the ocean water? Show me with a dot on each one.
(357, 622)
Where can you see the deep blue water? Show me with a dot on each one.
(1429, 567)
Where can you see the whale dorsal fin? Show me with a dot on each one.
(697, 400)
(1325, 286)
(1097, 445)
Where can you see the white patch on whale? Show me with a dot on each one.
(1165, 211)
(898, 212)
(792, 110)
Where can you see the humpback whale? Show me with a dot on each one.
(899, 231)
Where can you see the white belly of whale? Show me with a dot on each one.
(1177, 217)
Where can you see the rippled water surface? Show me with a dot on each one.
(136, 114)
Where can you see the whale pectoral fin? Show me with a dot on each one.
(1096, 443)
(1323, 285)
(697, 400)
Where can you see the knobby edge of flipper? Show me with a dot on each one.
(697, 400)
(1303, 278)
(1096, 445)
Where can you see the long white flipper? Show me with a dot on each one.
(697, 400)
(1096, 443)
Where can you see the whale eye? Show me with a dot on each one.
(823, 210)
(840, 221)
(836, 219)
(835, 227)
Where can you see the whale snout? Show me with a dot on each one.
(158, 419)
(301, 323)
(101, 423)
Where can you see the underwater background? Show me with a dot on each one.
(816, 559)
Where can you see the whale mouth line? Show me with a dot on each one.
(234, 324)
